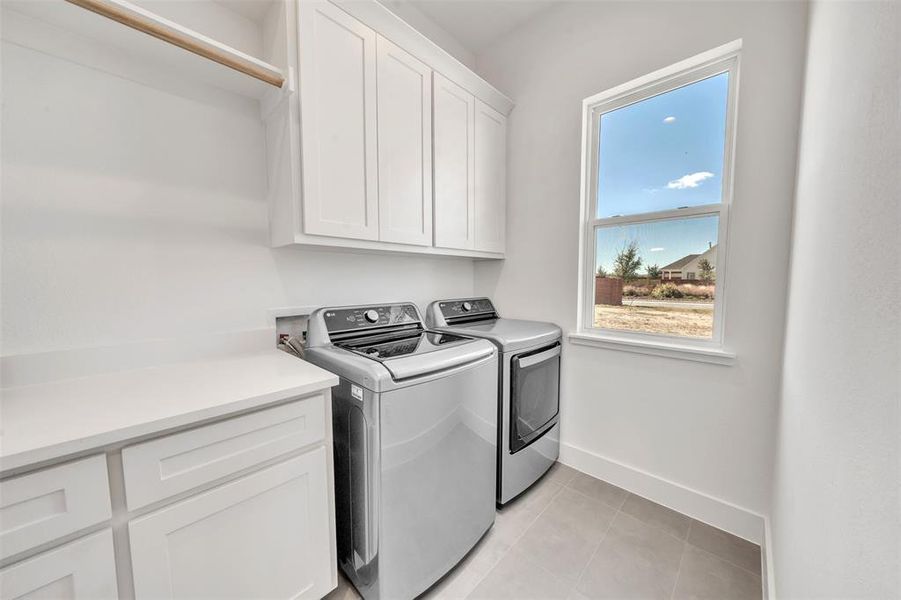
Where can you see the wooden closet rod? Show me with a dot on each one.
(172, 33)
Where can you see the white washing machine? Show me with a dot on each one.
(529, 387)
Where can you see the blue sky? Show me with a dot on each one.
(662, 153)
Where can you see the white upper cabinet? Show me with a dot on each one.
(338, 123)
(490, 178)
(454, 147)
(370, 148)
(404, 146)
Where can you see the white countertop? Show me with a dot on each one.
(50, 420)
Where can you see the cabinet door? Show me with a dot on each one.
(265, 535)
(490, 178)
(405, 146)
(83, 569)
(338, 123)
(453, 116)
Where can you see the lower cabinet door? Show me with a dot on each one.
(265, 535)
(83, 569)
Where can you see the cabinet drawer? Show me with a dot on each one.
(81, 570)
(176, 463)
(46, 505)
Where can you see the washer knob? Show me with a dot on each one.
(371, 315)
(467, 306)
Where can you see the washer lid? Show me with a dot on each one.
(510, 334)
(419, 353)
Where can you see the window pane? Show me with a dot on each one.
(657, 277)
(664, 152)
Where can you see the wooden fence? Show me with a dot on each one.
(608, 290)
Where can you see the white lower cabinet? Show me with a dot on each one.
(241, 507)
(50, 504)
(265, 535)
(83, 569)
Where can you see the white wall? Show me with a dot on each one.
(133, 208)
(705, 427)
(430, 29)
(836, 509)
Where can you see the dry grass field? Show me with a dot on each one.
(668, 320)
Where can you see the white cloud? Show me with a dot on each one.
(669, 119)
(692, 180)
(657, 249)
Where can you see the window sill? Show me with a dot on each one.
(716, 356)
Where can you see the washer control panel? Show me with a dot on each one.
(464, 308)
(349, 319)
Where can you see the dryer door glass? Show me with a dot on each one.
(534, 395)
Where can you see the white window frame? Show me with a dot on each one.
(723, 59)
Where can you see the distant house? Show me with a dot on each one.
(687, 266)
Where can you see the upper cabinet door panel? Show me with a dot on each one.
(338, 123)
(490, 178)
(453, 119)
(405, 146)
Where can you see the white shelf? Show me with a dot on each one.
(154, 48)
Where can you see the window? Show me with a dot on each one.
(657, 168)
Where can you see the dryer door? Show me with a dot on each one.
(534, 395)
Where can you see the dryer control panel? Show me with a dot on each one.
(457, 310)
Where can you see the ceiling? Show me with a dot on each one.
(254, 10)
(476, 24)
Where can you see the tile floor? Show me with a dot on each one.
(574, 537)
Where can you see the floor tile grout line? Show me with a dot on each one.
(617, 509)
(691, 522)
(715, 554)
(657, 527)
(513, 543)
(596, 548)
(672, 594)
(725, 560)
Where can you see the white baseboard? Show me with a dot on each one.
(698, 505)
(766, 553)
